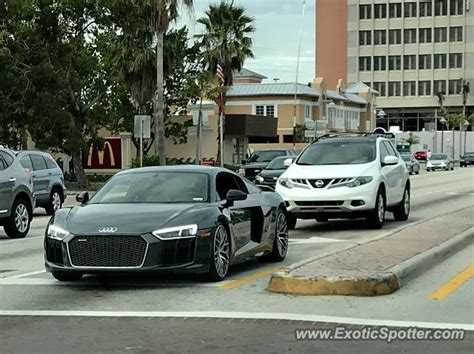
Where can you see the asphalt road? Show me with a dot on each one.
(238, 314)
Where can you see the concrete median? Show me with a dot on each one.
(381, 266)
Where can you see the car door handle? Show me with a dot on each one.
(13, 179)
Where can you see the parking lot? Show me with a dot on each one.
(25, 288)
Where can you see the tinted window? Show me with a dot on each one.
(277, 164)
(3, 164)
(26, 162)
(155, 187)
(439, 157)
(227, 181)
(7, 158)
(383, 152)
(390, 148)
(38, 162)
(338, 153)
(50, 163)
(266, 156)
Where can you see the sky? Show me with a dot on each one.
(276, 39)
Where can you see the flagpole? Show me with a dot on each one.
(221, 136)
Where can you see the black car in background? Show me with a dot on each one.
(183, 219)
(269, 175)
(259, 160)
(467, 159)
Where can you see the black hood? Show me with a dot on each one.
(256, 165)
(271, 173)
(129, 219)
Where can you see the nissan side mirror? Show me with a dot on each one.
(287, 162)
(82, 198)
(390, 160)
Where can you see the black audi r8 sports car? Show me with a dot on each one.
(183, 218)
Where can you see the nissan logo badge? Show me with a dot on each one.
(108, 230)
(319, 183)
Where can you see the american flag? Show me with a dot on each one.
(221, 82)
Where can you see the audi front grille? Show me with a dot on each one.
(107, 251)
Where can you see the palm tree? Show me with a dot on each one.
(160, 14)
(226, 37)
(412, 139)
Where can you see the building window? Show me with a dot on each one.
(409, 36)
(365, 37)
(409, 62)
(307, 112)
(365, 64)
(264, 139)
(455, 60)
(441, 7)
(395, 10)
(270, 111)
(380, 37)
(456, 7)
(395, 36)
(380, 10)
(365, 12)
(424, 88)
(455, 87)
(409, 88)
(439, 86)
(440, 61)
(425, 35)
(394, 88)
(380, 63)
(426, 8)
(441, 34)
(424, 61)
(260, 110)
(455, 34)
(394, 62)
(410, 9)
(380, 87)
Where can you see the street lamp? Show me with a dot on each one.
(465, 125)
(443, 121)
(381, 114)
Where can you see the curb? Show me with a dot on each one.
(382, 283)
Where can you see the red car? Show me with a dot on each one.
(420, 155)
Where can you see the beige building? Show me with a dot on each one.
(407, 50)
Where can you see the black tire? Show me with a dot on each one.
(292, 221)
(376, 217)
(418, 171)
(280, 243)
(402, 210)
(18, 224)
(62, 276)
(321, 218)
(55, 202)
(218, 270)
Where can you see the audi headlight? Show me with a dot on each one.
(359, 181)
(57, 233)
(259, 178)
(172, 233)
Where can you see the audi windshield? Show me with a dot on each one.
(154, 187)
(338, 152)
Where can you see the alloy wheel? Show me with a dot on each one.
(381, 208)
(221, 251)
(21, 218)
(282, 234)
(406, 202)
(56, 201)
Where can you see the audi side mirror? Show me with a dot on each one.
(234, 195)
(82, 198)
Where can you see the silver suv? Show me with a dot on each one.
(16, 196)
(48, 179)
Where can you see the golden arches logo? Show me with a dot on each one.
(100, 154)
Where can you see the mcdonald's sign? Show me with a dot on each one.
(108, 158)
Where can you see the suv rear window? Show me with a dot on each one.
(8, 159)
(338, 152)
(50, 163)
(38, 162)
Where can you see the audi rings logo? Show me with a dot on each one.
(319, 183)
(108, 230)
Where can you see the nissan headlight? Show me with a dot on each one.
(288, 183)
(259, 179)
(57, 233)
(359, 181)
(178, 232)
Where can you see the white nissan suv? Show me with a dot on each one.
(347, 177)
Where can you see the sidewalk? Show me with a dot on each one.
(381, 266)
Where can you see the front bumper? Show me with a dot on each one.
(437, 167)
(334, 200)
(187, 255)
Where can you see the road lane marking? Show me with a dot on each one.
(235, 283)
(448, 288)
(315, 240)
(242, 315)
(24, 275)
